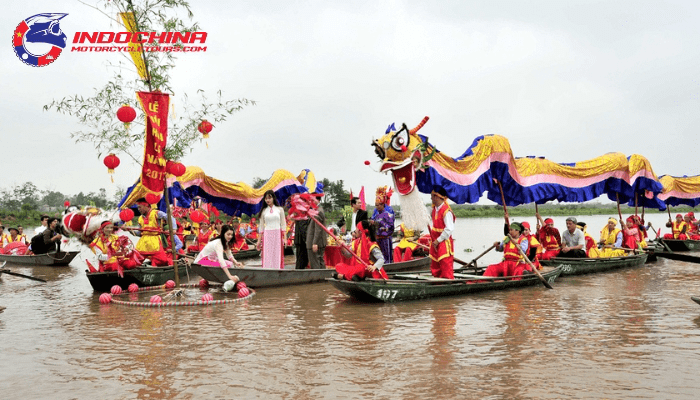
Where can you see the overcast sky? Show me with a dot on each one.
(568, 80)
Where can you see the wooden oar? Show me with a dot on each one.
(479, 256)
(8, 272)
(457, 260)
(520, 250)
(678, 257)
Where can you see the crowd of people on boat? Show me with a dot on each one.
(365, 243)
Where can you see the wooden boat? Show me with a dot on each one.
(142, 276)
(241, 255)
(403, 287)
(60, 259)
(579, 266)
(678, 256)
(682, 245)
(257, 277)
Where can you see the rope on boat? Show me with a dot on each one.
(181, 303)
(177, 303)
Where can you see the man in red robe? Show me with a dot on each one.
(442, 245)
(549, 237)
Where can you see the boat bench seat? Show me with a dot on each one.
(421, 277)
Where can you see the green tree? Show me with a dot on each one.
(97, 112)
(258, 182)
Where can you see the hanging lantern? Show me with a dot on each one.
(126, 214)
(204, 128)
(111, 162)
(175, 168)
(197, 216)
(66, 203)
(126, 114)
(152, 198)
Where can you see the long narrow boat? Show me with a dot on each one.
(682, 245)
(695, 299)
(241, 255)
(59, 259)
(403, 287)
(257, 277)
(142, 276)
(678, 256)
(579, 266)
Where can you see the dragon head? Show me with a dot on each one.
(402, 152)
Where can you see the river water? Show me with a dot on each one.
(629, 334)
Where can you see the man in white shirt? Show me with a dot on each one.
(44, 225)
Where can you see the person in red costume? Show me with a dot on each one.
(678, 228)
(549, 237)
(534, 247)
(513, 263)
(238, 243)
(204, 236)
(111, 251)
(365, 245)
(442, 245)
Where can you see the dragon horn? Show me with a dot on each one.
(417, 128)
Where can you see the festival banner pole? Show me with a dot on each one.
(171, 231)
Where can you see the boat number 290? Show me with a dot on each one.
(386, 294)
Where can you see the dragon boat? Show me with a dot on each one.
(58, 259)
(257, 277)
(142, 276)
(404, 287)
(580, 266)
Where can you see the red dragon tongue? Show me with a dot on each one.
(404, 179)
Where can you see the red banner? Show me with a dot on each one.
(155, 105)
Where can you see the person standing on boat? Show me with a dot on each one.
(384, 224)
(316, 239)
(358, 214)
(442, 245)
(678, 228)
(212, 255)
(271, 232)
(513, 263)
(149, 244)
(43, 226)
(110, 254)
(302, 255)
(549, 236)
(573, 241)
(366, 247)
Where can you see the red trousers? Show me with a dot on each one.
(159, 258)
(350, 270)
(406, 256)
(680, 237)
(507, 268)
(549, 254)
(114, 266)
(443, 268)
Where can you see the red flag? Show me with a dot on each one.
(351, 196)
(155, 106)
(362, 198)
(90, 267)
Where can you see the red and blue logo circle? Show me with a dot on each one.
(39, 40)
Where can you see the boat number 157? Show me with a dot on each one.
(386, 294)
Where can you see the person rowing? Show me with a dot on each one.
(512, 263)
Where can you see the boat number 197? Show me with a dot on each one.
(386, 294)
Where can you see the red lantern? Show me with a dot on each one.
(126, 214)
(175, 168)
(111, 162)
(197, 216)
(126, 114)
(204, 128)
(152, 198)
(66, 203)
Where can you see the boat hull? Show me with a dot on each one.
(60, 259)
(142, 276)
(682, 245)
(256, 277)
(580, 266)
(393, 290)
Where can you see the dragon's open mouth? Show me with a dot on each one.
(404, 175)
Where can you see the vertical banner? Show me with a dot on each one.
(155, 105)
(136, 54)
